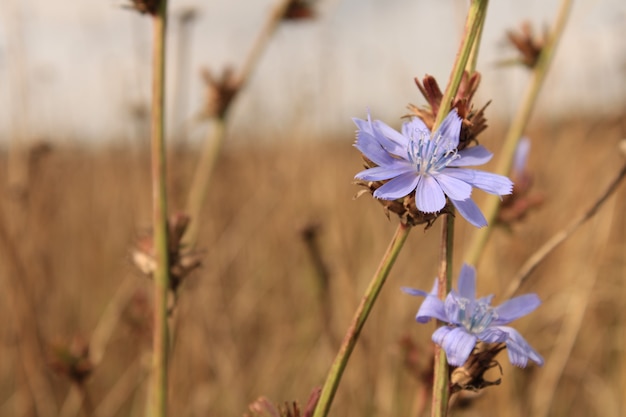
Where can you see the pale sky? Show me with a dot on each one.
(71, 69)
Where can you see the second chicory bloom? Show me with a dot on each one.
(429, 164)
(472, 319)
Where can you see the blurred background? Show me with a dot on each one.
(286, 251)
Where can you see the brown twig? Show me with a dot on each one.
(535, 259)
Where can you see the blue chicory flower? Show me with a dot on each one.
(470, 320)
(428, 164)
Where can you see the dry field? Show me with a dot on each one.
(257, 320)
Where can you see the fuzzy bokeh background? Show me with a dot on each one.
(256, 319)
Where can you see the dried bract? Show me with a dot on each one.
(474, 121)
(263, 407)
(470, 376)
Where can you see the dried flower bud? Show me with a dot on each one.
(220, 92)
(71, 359)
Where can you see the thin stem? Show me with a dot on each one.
(215, 138)
(480, 237)
(441, 382)
(360, 316)
(202, 179)
(473, 25)
(555, 241)
(158, 406)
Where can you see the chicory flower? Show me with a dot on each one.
(470, 319)
(428, 164)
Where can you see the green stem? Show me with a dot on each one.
(507, 153)
(158, 406)
(468, 49)
(473, 27)
(441, 382)
(367, 302)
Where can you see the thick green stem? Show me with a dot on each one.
(473, 28)
(516, 130)
(367, 302)
(158, 403)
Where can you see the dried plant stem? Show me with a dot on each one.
(535, 259)
(573, 316)
(158, 403)
(473, 28)
(215, 137)
(441, 382)
(516, 130)
(202, 178)
(26, 327)
(367, 302)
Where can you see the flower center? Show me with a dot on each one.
(427, 155)
(475, 316)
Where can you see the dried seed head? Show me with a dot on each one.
(470, 376)
(144, 6)
(182, 261)
(220, 92)
(263, 407)
(299, 10)
(71, 359)
(528, 45)
(474, 122)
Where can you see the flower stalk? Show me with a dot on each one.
(468, 49)
(516, 130)
(441, 382)
(367, 302)
(158, 403)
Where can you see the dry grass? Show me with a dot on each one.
(249, 323)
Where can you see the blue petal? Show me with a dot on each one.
(449, 130)
(476, 155)
(432, 306)
(516, 307)
(521, 156)
(486, 181)
(470, 211)
(452, 307)
(398, 187)
(454, 188)
(383, 173)
(457, 343)
(519, 350)
(493, 335)
(369, 147)
(429, 196)
(415, 128)
(392, 140)
(467, 282)
(364, 125)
